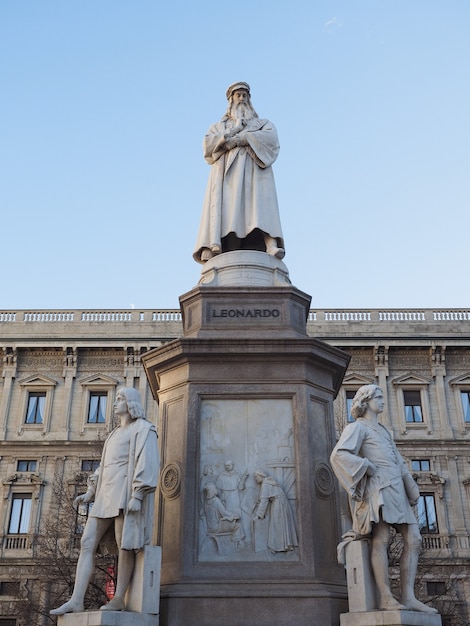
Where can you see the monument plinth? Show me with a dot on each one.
(247, 514)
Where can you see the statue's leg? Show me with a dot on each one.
(94, 530)
(408, 568)
(126, 561)
(379, 562)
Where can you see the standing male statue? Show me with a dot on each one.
(240, 210)
(123, 489)
(382, 493)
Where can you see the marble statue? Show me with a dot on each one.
(123, 489)
(382, 494)
(282, 536)
(240, 209)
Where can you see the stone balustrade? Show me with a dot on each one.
(15, 542)
(165, 315)
(342, 327)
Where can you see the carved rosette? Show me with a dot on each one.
(170, 480)
(324, 480)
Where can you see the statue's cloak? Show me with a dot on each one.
(241, 194)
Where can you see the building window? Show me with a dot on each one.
(20, 514)
(427, 518)
(465, 397)
(9, 588)
(97, 407)
(413, 409)
(7, 622)
(420, 465)
(26, 466)
(349, 400)
(36, 406)
(90, 465)
(436, 588)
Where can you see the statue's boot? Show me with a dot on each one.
(272, 248)
(415, 605)
(116, 604)
(68, 607)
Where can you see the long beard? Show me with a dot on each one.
(242, 112)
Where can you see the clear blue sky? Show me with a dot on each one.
(104, 104)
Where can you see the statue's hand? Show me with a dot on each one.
(83, 498)
(371, 470)
(134, 505)
(230, 144)
(241, 139)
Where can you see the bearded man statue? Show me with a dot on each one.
(240, 210)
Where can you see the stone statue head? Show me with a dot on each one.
(361, 399)
(235, 86)
(259, 475)
(134, 402)
(237, 110)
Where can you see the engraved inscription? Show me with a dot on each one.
(246, 313)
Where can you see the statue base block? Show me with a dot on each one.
(108, 618)
(390, 618)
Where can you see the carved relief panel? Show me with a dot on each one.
(247, 481)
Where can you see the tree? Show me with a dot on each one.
(56, 550)
(436, 579)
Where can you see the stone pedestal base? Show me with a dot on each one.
(246, 394)
(390, 618)
(244, 267)
(108, 618)
(142, 599)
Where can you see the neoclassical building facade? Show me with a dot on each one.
(60, 371)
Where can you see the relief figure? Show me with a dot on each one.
(273, 504)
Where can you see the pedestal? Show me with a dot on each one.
(246, 389)
(107, 618)
(390, 618)
(142, 598)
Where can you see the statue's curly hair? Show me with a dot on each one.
(134, 403)
(360, 400)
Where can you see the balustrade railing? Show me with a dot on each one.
(7, 317)
(315, 316)
(450, 316)
(106, 316)
(48, 316)
(402, 316)
(15, 542)
(435, 542)
(347, 316)
(172, 315)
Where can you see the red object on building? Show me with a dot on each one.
(110, 587)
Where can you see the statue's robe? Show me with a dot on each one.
(388, 494)
(228, 484)
(282, 535)
(241, 194)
